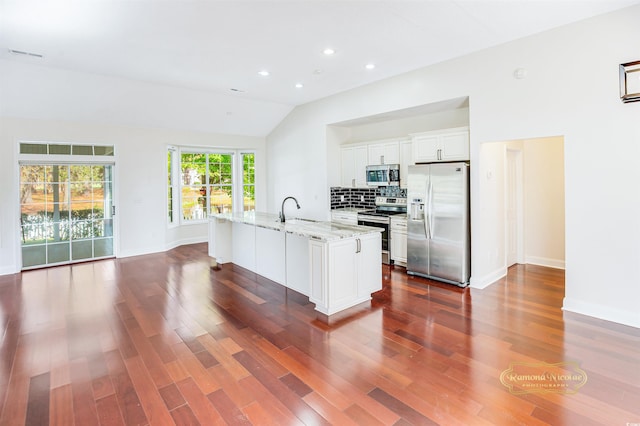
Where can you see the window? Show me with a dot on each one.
(203, 182)
(171, 178)
(248, 181)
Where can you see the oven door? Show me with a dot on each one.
(379, 222)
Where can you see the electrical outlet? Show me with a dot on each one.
(362, 198)
(342, 198)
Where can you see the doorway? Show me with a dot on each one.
(534, 223)
(66, 213)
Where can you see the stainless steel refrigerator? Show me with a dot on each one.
(438, 237)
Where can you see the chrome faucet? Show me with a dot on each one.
(282, 207)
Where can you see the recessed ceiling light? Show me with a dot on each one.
(328, 51)
(299, 85)
(263, 73)
(370, 66)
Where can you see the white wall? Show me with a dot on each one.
(140, 180)
(544, 220)
(571, 89)
(402, 127)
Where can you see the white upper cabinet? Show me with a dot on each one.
(441, 145)
(353, 163)
(387, 152)
(425, 147)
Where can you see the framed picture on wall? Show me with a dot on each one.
(630, 81)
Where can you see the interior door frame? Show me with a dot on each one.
(515, 187)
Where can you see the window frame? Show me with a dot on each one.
(173, 175)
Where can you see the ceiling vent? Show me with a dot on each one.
(23, 53)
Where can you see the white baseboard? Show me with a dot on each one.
(140, 251)
(602, 312)
(150, 250)
(8, 270)
(186, 241)
(545, 261)
(487, 279)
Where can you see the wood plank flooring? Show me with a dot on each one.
(164, 339)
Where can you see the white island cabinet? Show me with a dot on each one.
(345, 272)
(337, 266)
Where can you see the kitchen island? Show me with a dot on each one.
(337, 266)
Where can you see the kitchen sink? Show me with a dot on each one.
(297, 220)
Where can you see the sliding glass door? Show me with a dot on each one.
(66, 213)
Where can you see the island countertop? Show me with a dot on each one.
(317, 230)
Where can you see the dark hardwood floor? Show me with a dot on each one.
(164, 338)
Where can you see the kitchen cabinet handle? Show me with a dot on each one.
(353, 182)
(358, 247)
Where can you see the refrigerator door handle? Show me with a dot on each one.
(426, 226)
(429, 210)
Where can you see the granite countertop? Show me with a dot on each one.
(323, 231)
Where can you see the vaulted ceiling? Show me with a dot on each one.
(221, 46)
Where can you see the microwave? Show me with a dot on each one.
(383, 175)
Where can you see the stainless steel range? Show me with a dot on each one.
(381, 217)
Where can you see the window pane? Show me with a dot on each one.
(248, 182)
(97, 173)
(193, 168)
(249, 198)
(81, 150)
(221, 199)
(33, 148)
(30, 174)
(103, 150)
(80, 173)
(59, 149)
(193, 202)
(57, 173)
(200, 158)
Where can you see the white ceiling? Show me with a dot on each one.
(216, 46)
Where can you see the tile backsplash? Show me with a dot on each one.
(362, 198)
(353, 197)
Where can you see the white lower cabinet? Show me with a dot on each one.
(270, 254)
(219, 237)
(398, 233)
(342, 274)
(297, 264)
(244, 255)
